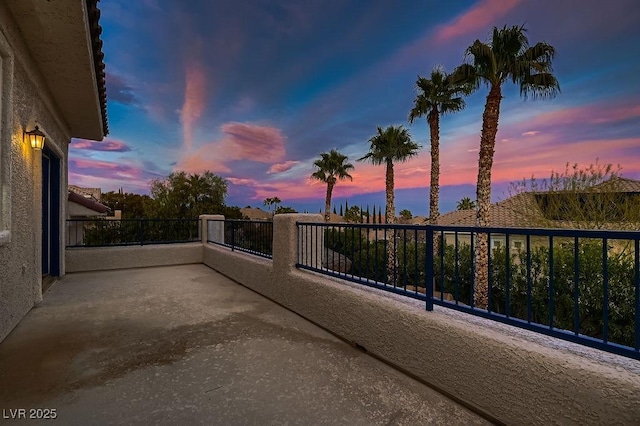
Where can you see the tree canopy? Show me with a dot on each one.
(132, 206)
(331, 167)
(182, 196)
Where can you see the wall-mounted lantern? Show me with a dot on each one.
(36, 138)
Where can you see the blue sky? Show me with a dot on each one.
(255, 90)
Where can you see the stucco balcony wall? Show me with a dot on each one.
(511, 375)
(105, 258)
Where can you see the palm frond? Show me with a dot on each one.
(540, 86)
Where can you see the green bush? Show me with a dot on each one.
(369, 260)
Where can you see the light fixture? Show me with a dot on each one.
(36, 137)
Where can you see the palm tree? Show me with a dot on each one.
(466, 203)
(388, 146)
(507, 56)
(331, 167)
(272, 201)
(438, 95)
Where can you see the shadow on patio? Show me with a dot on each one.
(184, 344)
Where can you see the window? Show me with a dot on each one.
(496, 244)
(517, 244)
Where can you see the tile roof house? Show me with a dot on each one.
(51, 75)
(529, 209)
(84, 207)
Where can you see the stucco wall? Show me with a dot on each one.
(105, 258)
(511, 375)
(26, 99)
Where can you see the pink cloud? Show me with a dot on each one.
(240, 141)
(194, 100)
(109, 175)
(245, 141)
(479, 17)
(282, 167)
(241, 181)
(589, 114)
(530, 133)
(107, 145)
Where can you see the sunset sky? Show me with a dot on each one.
(254, 90)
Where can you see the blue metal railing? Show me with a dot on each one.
(578, 285)
(123, 232)
(249, 236)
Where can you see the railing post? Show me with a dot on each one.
(212, 231)
(286, 240)
(141, 232)
(428, 285)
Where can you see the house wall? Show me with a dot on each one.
(511, 375)
(25, 101)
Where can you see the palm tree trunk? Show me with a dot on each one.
(434, 185)
(483, 193)
(390, 215)
(327, 202)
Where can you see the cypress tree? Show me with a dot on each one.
(374, 213)
(341, 211)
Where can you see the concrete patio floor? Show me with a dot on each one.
(185, 345)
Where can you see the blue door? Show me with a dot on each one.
(50, 213)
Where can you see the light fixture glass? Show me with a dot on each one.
(36, 138)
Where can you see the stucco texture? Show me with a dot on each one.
(509, 378)
(29, 101)
(109, 258)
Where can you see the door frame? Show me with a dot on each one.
(51, 208)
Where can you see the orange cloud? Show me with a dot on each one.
(204, 158)
(481, 16)
(194, 101)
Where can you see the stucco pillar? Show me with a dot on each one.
(286, 240)
(213, 231)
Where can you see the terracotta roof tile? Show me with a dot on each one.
(98, 58)
(86, 202)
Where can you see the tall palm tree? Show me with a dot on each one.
(439, 95)
(331, 167)
(388, 146)
(506, 57)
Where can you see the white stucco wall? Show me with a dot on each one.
(512, 375)
(21, 174)
(106, 258)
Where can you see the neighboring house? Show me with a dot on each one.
(94, 193)
(52, 76)
(553, 210)
(255, 213)
(81, 209)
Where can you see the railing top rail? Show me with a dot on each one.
(240, 220)
(112, 219)
(555, 232)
